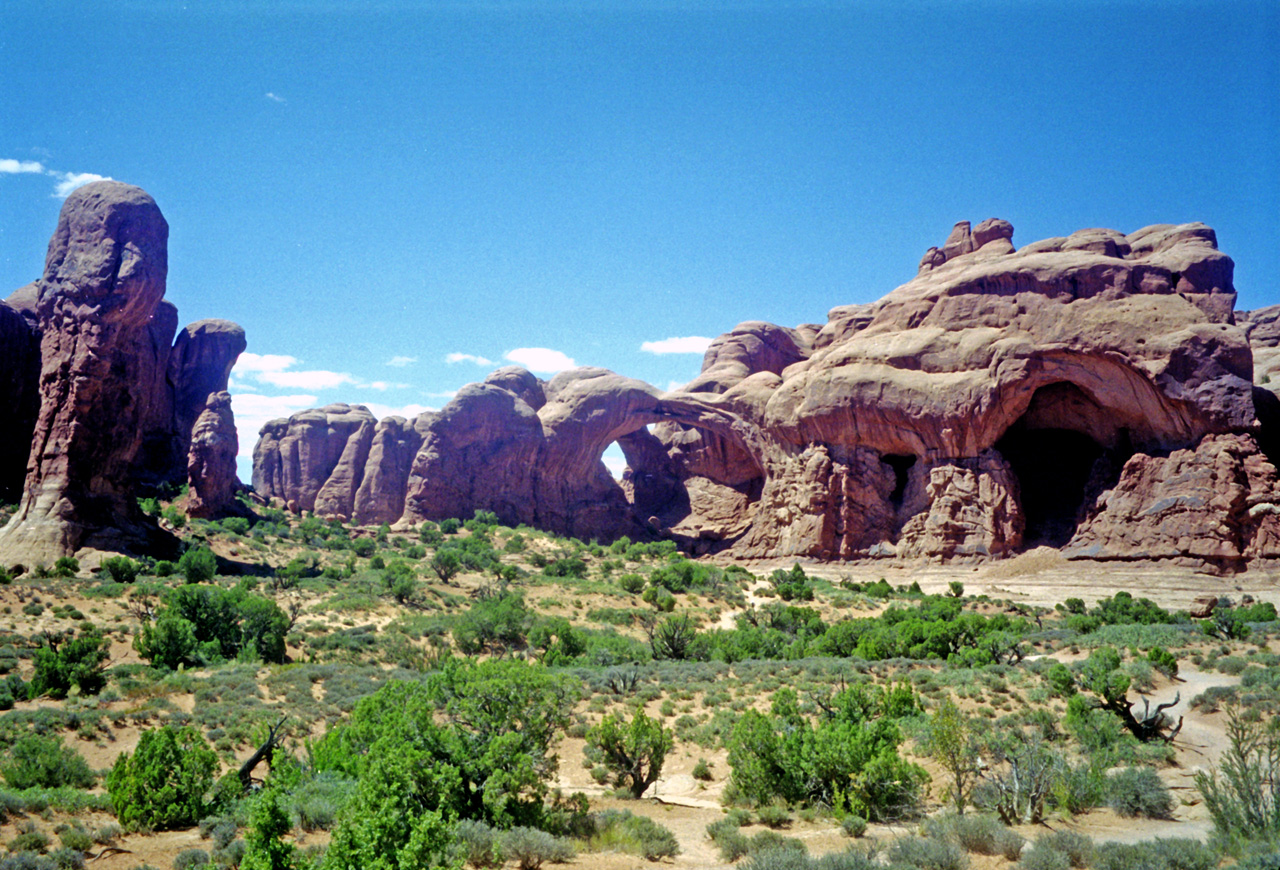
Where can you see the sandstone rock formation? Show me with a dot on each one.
(211, 458)
(1070, 393)
(94, 366)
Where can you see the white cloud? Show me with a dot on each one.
(687, 344)
(263, 362)
(540, 359)
(314, 379)
(273, 98)
(402, 361)
(467, 357)
(14, 167)
(66, 181)
(69, 181)
(382, 411)
(253, 411)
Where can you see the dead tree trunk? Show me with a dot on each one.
(266, 751)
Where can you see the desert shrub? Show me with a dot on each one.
(221, 829)
(314, 804)
(701, 770)
(853, 826)
(531, 848)
(1269, 861)
(1171, 854)
(66, 566)
(29, 839)
(44, 762)
(632, 583)
(163, 783)
(634, 752)
(204, 623)
(1139, 791)
(198, 565)
(78, 661)
(638, 835)
(189, 858)
(265, 848)
(1039, 858)
(450, 525)
(1242, 793)
(74, 837)
(121, 569)
(27, 861)
(1077, 847)
(982, 835)
(926, 853)
(1080, 787)
(731, 842)
(774, 815)
(479, 843)
(851, 752)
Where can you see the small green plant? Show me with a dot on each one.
(702, 770)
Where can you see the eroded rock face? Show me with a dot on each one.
(1002, 399)
(211, 459)
(104, 276)
(90, 380)
(1215, 504)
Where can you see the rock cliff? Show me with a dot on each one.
(103, 400)
(1093, 392)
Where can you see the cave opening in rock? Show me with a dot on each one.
(901, 466)
(1053, 467)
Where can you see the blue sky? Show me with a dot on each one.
(394, 198)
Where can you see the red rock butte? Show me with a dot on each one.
(1093, 392)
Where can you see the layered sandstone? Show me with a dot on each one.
(111, 405)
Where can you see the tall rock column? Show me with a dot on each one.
(211, 459)
(104, 276)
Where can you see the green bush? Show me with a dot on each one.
(198, 565)
(66, 566)
(79, 661)
(121, 569)
(701, 770)
(44, 762)
(162, 785)
(1139, 791)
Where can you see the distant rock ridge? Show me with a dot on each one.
(103, 398)
(1094, 392)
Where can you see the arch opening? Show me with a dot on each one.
(901, 466)
(1063, 451)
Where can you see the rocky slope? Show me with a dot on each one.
(1093, 392)
(104, 399)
